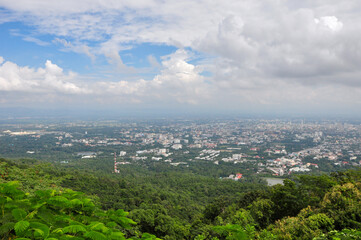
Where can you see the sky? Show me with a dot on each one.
(205, 56)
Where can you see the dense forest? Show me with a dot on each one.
(43, 201)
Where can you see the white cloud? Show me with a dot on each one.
(181, 80)
(331, 22)
(28, 38)
(260, 51)
(178, 81)
(275, 36)
(153, 61)
(43, 80)
(78, 48)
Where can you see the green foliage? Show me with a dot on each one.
(18, 214)
(74, 229)
(21, 226)
(306, 225)
(33, 175)
(243, 218)
(345, 234)
(262, 211)
(315, 187)
(174, 205)
(163, 203)
(231, 232)
(51, 214)
(288, 199)
(333, 207)
(214, 209)
(343, 203)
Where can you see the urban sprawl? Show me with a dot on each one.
(273, 147)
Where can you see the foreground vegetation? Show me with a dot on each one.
(41, 201)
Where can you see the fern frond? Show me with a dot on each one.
(117, 235)
(38, 233)
(19, 214)
(40, 226)
(46, 215)
(74, 229)
(95, 235)
(58, 230)
(98, 226)
(76, 202)
(59, 201)
(21, 226)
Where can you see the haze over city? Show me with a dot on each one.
(250, 56)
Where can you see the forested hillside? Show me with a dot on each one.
(37, 203)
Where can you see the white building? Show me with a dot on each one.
(177, 146)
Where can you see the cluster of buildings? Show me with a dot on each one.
(271, 146)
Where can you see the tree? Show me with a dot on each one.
(262, 211)
(343, 203)
(287, 199)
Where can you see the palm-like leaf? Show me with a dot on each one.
(95, 235)
(74, 229)
(19, 214)
(21, 226)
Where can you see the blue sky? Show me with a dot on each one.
(240, 56)
(22, 44)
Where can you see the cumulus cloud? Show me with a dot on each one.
(178, 81)
(51, 78)
(182, 80)
(256, 51)
(278, 37)
(297, 48)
